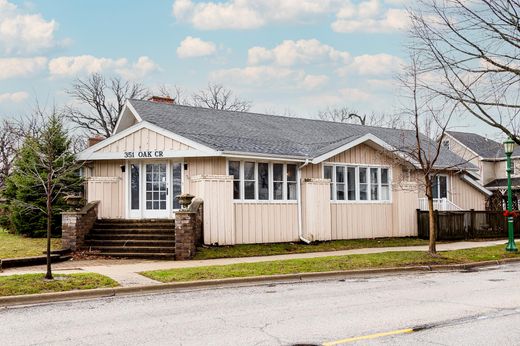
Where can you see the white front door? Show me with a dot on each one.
(156, 188)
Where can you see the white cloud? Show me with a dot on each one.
(67, 66)
(291, 52)
(269, 76)
(21, 32)
(139, 69)
(18, 67)
(248, 14)
(369, 16)
(373, 65)
(15, 97)
(195, 47)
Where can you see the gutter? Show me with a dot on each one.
(299, 200)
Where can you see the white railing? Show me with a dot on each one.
(441, 204)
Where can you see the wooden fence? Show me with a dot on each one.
(465, 224)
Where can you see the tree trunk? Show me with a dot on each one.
(48, 275)
(432, 249)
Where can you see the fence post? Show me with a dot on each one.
(472, 222)
(419, 234)
(437, 221)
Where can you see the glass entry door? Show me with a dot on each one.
(156, 190)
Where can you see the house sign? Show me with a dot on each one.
(143, 154)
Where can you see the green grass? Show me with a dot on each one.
(249, 250)
(12, 246)
(324, 264)
(14, 285)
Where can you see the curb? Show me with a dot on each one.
(244, 281)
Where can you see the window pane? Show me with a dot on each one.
(176, 183)
(234, 169)
(134, 187)
(327, 172)
(374, 192)
(373, 176)
(278, 190)
(249, 171)
(363, 192)
(249, 190)
(340, 192)
(435, 187)
(340, 174)
(263, 181)
(351, 181)
(291, 172)
(291, 190)
(385, 193)
(277, 172)
(443, 186)
(236, 189)
(362, 175)
(384, 175)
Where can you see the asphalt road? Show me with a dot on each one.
(459, 308)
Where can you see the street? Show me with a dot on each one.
(479, 307)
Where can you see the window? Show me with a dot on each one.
(234, 170)
(440, 186)
(291, 182)
(353, 183)
(263, 181)
(278, 181)
(134, 186)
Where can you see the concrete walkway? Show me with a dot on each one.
(126, 271)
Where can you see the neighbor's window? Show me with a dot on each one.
(263, 181)
(353, 183)
(440, 186)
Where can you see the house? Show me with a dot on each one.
(266, 178)
(488, 155)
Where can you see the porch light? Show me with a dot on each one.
(509, 146)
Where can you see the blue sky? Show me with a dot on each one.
(285, 56)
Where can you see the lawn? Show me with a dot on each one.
(12, 245)
(248, 250)
(324, 264)
(35, 283)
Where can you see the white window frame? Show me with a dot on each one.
(271, 182)
(358, 190)
(448, 186)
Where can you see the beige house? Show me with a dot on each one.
(267, 178)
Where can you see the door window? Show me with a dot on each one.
(156, 189)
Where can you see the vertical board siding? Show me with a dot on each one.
(266, 222)
(109, 191)
(360, 221)
(144, 139)
(316, 215)
(202, 166)
(466, 196)
(218, 218)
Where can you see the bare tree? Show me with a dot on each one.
(347, 115)
(216, 96)
(174, 92)
(101, 102)
(430, 116)
(471, 49)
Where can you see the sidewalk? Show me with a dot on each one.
(125, 271)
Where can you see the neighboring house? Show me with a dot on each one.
(267, 178)
(489, 157)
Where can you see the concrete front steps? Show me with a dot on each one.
(153, 239)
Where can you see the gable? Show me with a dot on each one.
(362, 154)
(144, 140)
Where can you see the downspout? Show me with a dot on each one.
(300, 223)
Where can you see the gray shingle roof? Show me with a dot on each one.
(253, 133)
(484, 147)
(502, 183)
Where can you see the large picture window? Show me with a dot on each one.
(358, 183)
(263, 180)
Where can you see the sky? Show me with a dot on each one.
(288, 57)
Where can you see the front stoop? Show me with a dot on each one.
(151, 239)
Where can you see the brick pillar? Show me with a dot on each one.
(185, 235)
(76, 224)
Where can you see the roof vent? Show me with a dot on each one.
(161, 99)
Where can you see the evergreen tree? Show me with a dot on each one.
(44, 172)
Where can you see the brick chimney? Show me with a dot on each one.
(94, 140)
(160, 99)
